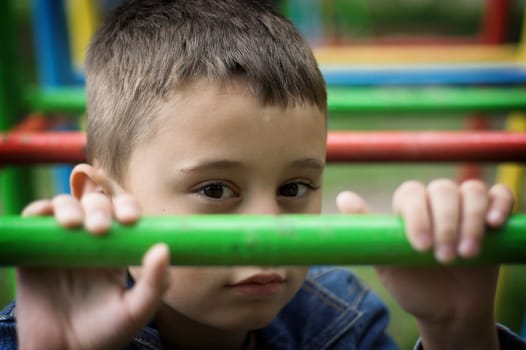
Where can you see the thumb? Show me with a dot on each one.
(142, 300)
(350, 203)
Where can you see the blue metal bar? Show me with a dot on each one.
(445, 75)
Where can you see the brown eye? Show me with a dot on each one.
(294, 189)
(216, 191)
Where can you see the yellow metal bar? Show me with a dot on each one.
(83, 21)
(419, 54)
(511, 174)
(522, 44)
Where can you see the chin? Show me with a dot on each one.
(250, 321)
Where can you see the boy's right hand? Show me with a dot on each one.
(87, 308)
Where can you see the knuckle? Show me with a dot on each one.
(474, 186)
(474, 212)
(408, 190)
(62, 199)
(37, 207)
(502, 191)
(418, 224)
(442, 185)
(473, 231)
(411, 186)
(97, 203)
(125, 199)
(94, 199)
(446, 234)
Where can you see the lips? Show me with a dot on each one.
(260, 285)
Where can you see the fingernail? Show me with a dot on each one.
(127, 210)
(495, 217)
(68, 215)
(423, 241)
(468, 247)
(445, 253)
(98, 220)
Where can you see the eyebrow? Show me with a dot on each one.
(308, 163)
(304, 163)
(211, 165)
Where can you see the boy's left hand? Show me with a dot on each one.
(451, 219)
(452, 305)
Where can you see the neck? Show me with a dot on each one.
(179, 332)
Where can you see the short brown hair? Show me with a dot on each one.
(148, 49)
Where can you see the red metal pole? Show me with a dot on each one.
(427, 146)
(33, 123)
(492, 32)
(476, 122)
(42, 147)
(489, 146)
(493, 26)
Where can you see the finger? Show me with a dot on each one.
(350, 203)
(38, 208)
(501, 203)
(98, 212)
(67, 211)
(474, 207)
(126, 208)
(410, 201)
(142, 300)
(444, 201)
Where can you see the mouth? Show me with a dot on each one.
(260, 285)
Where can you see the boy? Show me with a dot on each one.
(218, 107)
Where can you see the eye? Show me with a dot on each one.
(295, 189)
(216, 190)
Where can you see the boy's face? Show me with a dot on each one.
(218, 150)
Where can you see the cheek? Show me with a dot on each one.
(187, 284)
(314, 206)
(299, 274)
(191, 288)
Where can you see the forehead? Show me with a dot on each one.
(227, 96)
(207, 112)
(205, 122)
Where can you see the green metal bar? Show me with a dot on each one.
(9, 87)
(389, 100)
(70, 100)
(377, 100)
(15, 183)
(240, 240)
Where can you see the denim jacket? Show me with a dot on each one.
(332, 310)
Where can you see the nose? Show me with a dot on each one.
(262, 204)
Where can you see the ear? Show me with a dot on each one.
(86, 179)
